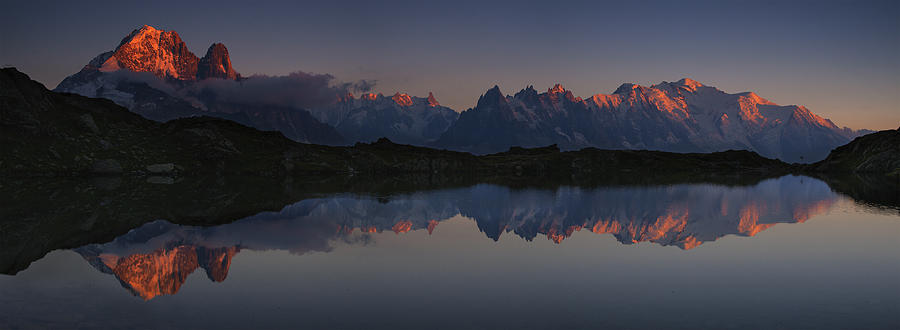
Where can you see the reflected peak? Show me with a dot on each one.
(163, 271)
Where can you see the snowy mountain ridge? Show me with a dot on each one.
(401, 118)
(682, 116)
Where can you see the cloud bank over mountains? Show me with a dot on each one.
(298, 89)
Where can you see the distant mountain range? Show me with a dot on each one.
(400, 118)
(684, 116)
(153, 73)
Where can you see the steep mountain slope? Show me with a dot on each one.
(152, 71)
(400, 118)
(684, 116)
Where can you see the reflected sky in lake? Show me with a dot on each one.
(783, 253)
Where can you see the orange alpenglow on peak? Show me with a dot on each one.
(165, 55)
(160, 52)
(627, 88)
(402, 227)
(749, 98)
(748, 223)
(432, 101)
(690, 82)
(402, 99)
(686, 83)
(431, 225)
(163, 271)
(145, 31)
(558, 88)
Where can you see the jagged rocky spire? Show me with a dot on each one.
(216, 64)
(493, 96)
(432, 101)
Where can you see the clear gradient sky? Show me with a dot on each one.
(839, 59)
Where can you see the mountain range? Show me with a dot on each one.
(51, 133)
(682, 116)
(152, 72)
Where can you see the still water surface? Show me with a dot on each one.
(783, 253)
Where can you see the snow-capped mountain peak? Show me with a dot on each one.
(689, 83)
(626, 88)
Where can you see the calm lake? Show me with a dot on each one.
(778, 253)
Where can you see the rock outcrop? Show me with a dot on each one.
(878, 152)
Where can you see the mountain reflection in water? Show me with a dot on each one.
(156, 258)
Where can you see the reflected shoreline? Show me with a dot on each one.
(156, 258)
(49, 214)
